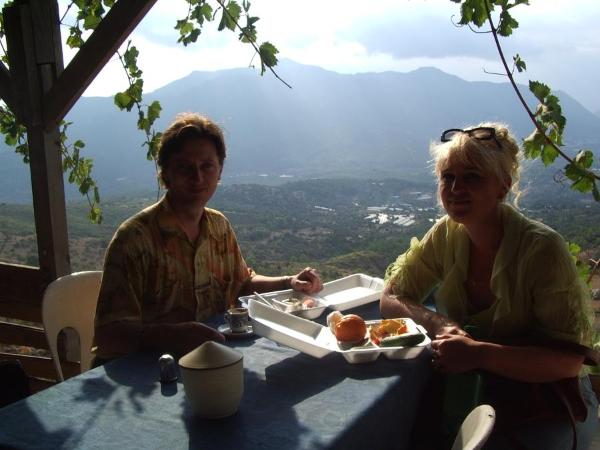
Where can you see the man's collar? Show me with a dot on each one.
(168, 223)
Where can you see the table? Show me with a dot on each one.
(291, 401)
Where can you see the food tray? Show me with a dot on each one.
(342, 294)
(351, 291)
(317, 340)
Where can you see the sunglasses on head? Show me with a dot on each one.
(479, 133)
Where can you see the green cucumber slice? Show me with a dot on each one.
(403, 340)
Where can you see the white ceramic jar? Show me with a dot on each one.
(213, 379)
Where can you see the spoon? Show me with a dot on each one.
(271, 303)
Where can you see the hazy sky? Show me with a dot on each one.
(560, 42)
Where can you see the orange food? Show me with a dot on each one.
(386, 328)
(350, 328)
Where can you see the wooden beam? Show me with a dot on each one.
(21, 56)
(50, 209)
(6, 88)
(22, 311)
(14, 334)
(21, 284)
(42, 367)
(100, 46)
(35, 56)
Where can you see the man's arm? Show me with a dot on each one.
(307, 281)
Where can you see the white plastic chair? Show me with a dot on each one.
(70, 301)
(475, 429)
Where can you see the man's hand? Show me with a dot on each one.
(307, 281)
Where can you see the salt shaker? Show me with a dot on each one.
(168, 369)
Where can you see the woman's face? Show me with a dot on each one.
(193, 173)
(469, 196)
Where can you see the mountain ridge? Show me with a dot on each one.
(366, 125)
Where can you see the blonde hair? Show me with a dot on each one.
(502, 162)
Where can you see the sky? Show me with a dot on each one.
(559, 42)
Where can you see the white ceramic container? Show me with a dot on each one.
(213, 379)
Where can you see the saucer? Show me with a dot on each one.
(230, 334)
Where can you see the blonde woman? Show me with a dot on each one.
(512, 281)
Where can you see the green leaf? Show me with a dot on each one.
(585, 158)
(584, 184)
(206, 11)
(74, 40)
(533, 144)
(91, 22)
(573, 172)
(507, 24)
(540, 90)
(473, 11)
(123, 101)
(230, 16)
(131, 55)
(154, 111)
(519, 63)
(267, 52)
(574, 249)
(549, 154)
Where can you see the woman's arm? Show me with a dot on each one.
(530, 364)
(129, 336)
(393, 306)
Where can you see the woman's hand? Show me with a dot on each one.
(452, 330)
(455, 353)
(307, 281)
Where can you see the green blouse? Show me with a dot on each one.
(534, 280)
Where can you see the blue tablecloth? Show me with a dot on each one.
(291, 401)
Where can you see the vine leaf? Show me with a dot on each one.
(519, 63)
(267, 53)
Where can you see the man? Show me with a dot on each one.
(176, 263)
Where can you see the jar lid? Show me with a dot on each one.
(210, 355)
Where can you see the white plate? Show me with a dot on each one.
(226, 330)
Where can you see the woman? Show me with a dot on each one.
(177, 262)
(508, 278)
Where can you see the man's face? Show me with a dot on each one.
(193, 173)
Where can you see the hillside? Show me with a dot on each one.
(341, 226)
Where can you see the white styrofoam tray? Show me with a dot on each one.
(317, 340)
(342, 294)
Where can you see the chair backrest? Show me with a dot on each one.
(475, 429)
(70, 301)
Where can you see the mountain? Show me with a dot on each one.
(371, 125)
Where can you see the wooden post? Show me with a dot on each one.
(35, 60)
